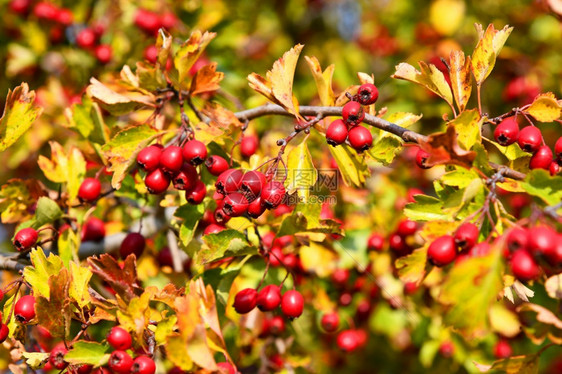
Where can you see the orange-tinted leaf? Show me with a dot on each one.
(323, 80)
(206, 79)
(221, 117)
(489, 46)
(429, 77)
(122, 280)
(444, 148)
(16, 196)
(54, 313)
(117, 99)
(513, 365)
(461, 80)
(188, 53)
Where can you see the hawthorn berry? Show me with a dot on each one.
(276, 256)
(502, 349)
(542, 241)
(56, 358)
(186, 178)
(421, 159)
(269, 298)
(347, 340)
(353, 113)
(360, 138)
(330, 321)
(148, 158)
(216, 165)
(226, 367)
(407, 227)
(256, 208)
(119, 338)
(194, 152)
(245, 300)
(157, 182)
(83, 369)
(65, 16)
(272, 194)
(103, 53)
(168, 20)
(151, 54)
(4, 331)
(507, 131)
(558, 148)
(397, 244)
(442, 251)
(93, 230)
(143, 365)
(89, 190)
(541, 159)
(147, 21)
(446, 349)
(340, 277)
(171, 159)
(133, 243)
(25, 239)
(466, 236)
(197, 194)
(24, 309)
(86, 38)
(235, 204)
(518, 238)
(375, 242)
(530, 139)
(292, 304)
(554, 168)
(120, 362)
(523, 266)
(251, 184)
(367, 94)
(229, 181)
(249, 145)
(45, 10)
(275, 325)
(20, 6)
(213, 228)
(336, 133)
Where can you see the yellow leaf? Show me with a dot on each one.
(318, 259)
(206, 79)
(429, 77)
(545, 108)
(351, 166)
(468, 125)
(38, 275)
(553, 286)
(79, 284)
(489, 46)
(504, 321)
(116, 99)
(323, 80)
(136, 316)
(301, 173)
(189, 52)
(461, 80)
(446, 15)
(176, 353)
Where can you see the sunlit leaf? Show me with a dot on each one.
(468, 126)
(16, 196)
(206, 79)
(88, 353)
(20, 111)
(461, 79)
(545, 108)
(38, 274)
(301, 173)
(553, 286)
(116, 99)
(79, 283)
(513, 365)
(188, 53)
(489, 46)
(54, 313)
(539, 183)
(224, 244)
(323, 80)
(352, 168)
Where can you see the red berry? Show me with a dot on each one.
(245, 300)
(340, 277)
(530, 139)
(45, 10)
(442, 251)
(272, 194)
(367, 94)
(103, 53)
(348, 341)
(24, 309)
(336, 133)
(229, 181)
(147, 21)
(375, 242)
(198, 193)
(235, 204)
(213, 228)
(168, 20)
(353, 113)
(397, 244)
(252, 183)
(143, 365)
(292, 304)
(56, 358)
(25, 239)
(518, 238)
(120, 362)
(502, 349)
(216, 165)
(90, 189)
(20, 6)
(542, 241)
(421, 159)
(4, 331)
(446, 349)
(541, 159)
(194, 152)
(466, 236)
(360, 138)
(93, 230)
(149, 158)
(65, 16)
(157, 182)
(274, 326)
(226, 367)
(249, 145)
(86, 38)
(330, 322)
(276, 256)
(151, 54)
(480, 250)
(119, 339)
(523, 266)
(554, 168)
(507, 131)
(269, 298)
(410, 288)
(256, 208)
(407, 227)
(133, 243)
(1, 296)
(186, 178)
(558, 148)
(171, 159)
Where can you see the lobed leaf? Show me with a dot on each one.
(43, 268)
(323, 80)
(461, 80)
(539, 183)
(489, 46)
(301, 173)
(88, 353)
(545, 108)
(206, 79)
(188, 53)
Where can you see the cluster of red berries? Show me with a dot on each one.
(150, 22)
(268, 299)
(530, 140)
(348, 128)
(177, 165)
(120, 361)
(398, 241)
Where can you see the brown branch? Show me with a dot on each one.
(11, 263)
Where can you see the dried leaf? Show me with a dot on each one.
(461, 80)
(117, 99)
(553, 286)
(54, 313)
(188, 53)
(206, 79)
(122, 280)
(443, 148)
(513, 365)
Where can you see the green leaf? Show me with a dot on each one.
(429, 77)
(224, 244)
(47, 211)
(38, 275)
(539, 183)
(87, 119)
(351, 166)
(385, 149)
(301, 173)
(188, 53)
(306, 218)
(460, 177)
(164, 329)
(468, 125)
(413, 267)
(191, 214)
(426, 208)
(89, 353)
(513, 365)
(68, 245)
(512, 152)
(19, 113)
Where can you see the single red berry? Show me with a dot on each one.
(168, 20)
(20, 6)
(466, 236)
(148, 158)
(407, 227)
(348, 341)
(103, 53)
(360, 138)
(340, 277)
(276, 256)
(93, 230)
(198, 193)
(523, 266)
(558, 148)
(65, 16)
(446, 349)
(213, 228)
(151, 54)
(542, 241)
(143, 365)
(554, 168)
(421, 159)
(480, 250)
(186, 178)
(216, 165)
(502, 349)
(24, 309)
(410, 288)
(256, 208)
(507, 131)
(119, 339)
(1, 296)
(45, 10)
(147, 21)
(442, 251)
(56, 358)
(541, 159)
(336, 133)
(133, 243)
(353, 113)
(157, 182)
(84, 369)
(530, 139)
(292, 304)
(251, 184)
(364, 309)
(269, 298)
(171, 159)
(249, 145)
(397, 244)
(86, 38)
(235, 204)
(89, 190)
(4, 331)
(330, 322)
(375, 242)
(245, 300)
(226, 367)
(25, 239)
(272, 194)
(229, 181)
(518, 238)
(120, 362)
(194, 152)
(275, 325)
(367, 94)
